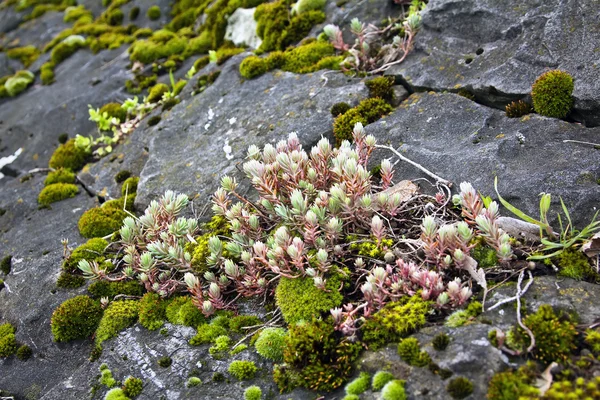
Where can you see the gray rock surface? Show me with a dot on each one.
(496, 50)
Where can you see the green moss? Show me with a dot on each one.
(134, 13)
(100, 221)
(411, 353)
(132, 387)
(117, 316)
(517, 109)
(130, 185)
(182, 311)
(242, 370)
(5, 264)
(8, 341)
(442, 372)
(107, 378)
(1, 284)
(73, 14)
(60, 175)
(441, 341)
(239, 322)
(552, 94)
(152, 311)
(396, 320)
(62, 139)
(252, 67)
(156, 47)
(153, 13)
(580, 389)
(76, 318)
(359, 385)
(339, 109)
(24, 352)
(380, 379)
(463, 317)
(122, 176)
(271, 343)
(221, 345)
(115, 17)
(318, 358)
(69, 281)
(47, 73)
(394, 390)
(93, 249)
(57, 192)
(199, 45)
(485, 256)
(381, 87)
(114, 110)
(308, 5)
(116, 394)
(225, 53)
(592, 339)
(155, 94)
(217, 226)
(207, 333)
(459, 388)
(165, 362)
(576, 265)
(193, 381)
(26, 54)
(68, 156)
(511, 385)
(304, 59)
(299, 299)
(18, 82)
(66, 48)
(252, 393)
(368, 111)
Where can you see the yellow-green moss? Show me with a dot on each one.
(114, 110)
(17, 83)
(60, 175)
(552, 94)
(93, 249)
(410, 351)
(152, 311)
(66, 48)
(57, 192)
(153, 13)
(182, 311)
(117, 316)
(99, 289)
(252, 67)
(8, 341)
(359, 385)
(242, 370)
(459, 388)
(271, 343)
(100, 221)
(76, 318)
(380, 379)
(381, 87)
(47, 73)
(156, 93)
(26, 54)
(367, 111)
(575, 264)
(68, 156)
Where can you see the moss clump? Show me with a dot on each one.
(380, 379)
(126, 202)
(26, 54)
(68, 156)
(396, 320)
(207, 333)
(552, 94)
(411, 353)
(359, 385)
(222, 344)
(162, 44)
(182, 311)
(242, 370)
(57, 192)
(225, 53)
(554, 335)
(153, 13)
(381, 87)
(580, 389)
(132, 387)
(308, 5)
(115, 17)
(485, 256)
(69, 281)
(306, 58)
(165, 362)
(24, 352)
(117, 316)
(463, 317)
(130, 185)
(299, 299)
(318, 358)
(47, 74)
(155, 94)
(339, 109)
(114, 110)
(108, 289)
(62, 139)
(5, 264)
(592, 339)
(76, 318)
(441, 341)
(459, 388)
(511, 385)
(8, 341)
(18, 83)
(116, 394)
(152, 311)
(100, 221)
(134, 13)
(122, 176)
(271, 343)
(239, 322)
(252, 393)
(252, 67)
(193, 381)
(66, 48)
(217, 226)
(574, 264)
(368, 111)
(517, 109)
(394, 390)
(60, 175)
(93, 249)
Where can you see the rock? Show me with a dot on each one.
(400, 94)
(460, 140)
(241, 28)
(496, 50)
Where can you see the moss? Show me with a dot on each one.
(116, 394)
(153, 13)
(5, 264)
(154, 120)
(359, 385)
(115, 17)
(165, 362)
(318, 358)
(182, 311)
(252, 393)
(68, 156)
(93, 249)
(308, 5)
(47, 73)
(57, 192)
(199, 45)
(396, 320)
(130, 185)
(1, 284)
(574, 264)
(381, 87)
(114, 110)
(62, 139)
(122, 175)
(159, 45)
(252, 67)
(221, 345)
(76, 318)
(552, 94)
(380, 379)
(242, 370)
(554, 335)
(485, 256)
(270, 343)
(459, 388)
(218, 377)
(442, 372)
(299, 299)
(132, 387)
(517, 109)
(580, 389)
(66, 49)
(8, 341)
(510, 385)
(207, 333)
(239, 322)
(73, 14)
(201, 63)
(368, 111)
(107, 378)
(134, 13)
(411, 353)
(69, 281)
(217, 226)
(155, 94)
(592, 339)
(123, 202)
(24, 352)
(193, 381)
(441, 341)
(339, 109)
(152, 311)
(26, 54)
(100, 221)
(60, 175)
(117, 316)
(305, 59)
(466, 94)
(463, 317)
(18, 82)
(394, 390)
(224, 54)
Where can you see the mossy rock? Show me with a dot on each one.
(57, 192)
(101, 221)
(68, 156)
(60, 175)
(76, 318)
(93, 249)
(552, 94)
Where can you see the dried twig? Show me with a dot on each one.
(414, 164)
(580, 142)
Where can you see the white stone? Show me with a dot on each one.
(241, 28)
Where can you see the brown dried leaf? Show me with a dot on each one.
(592, 247)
